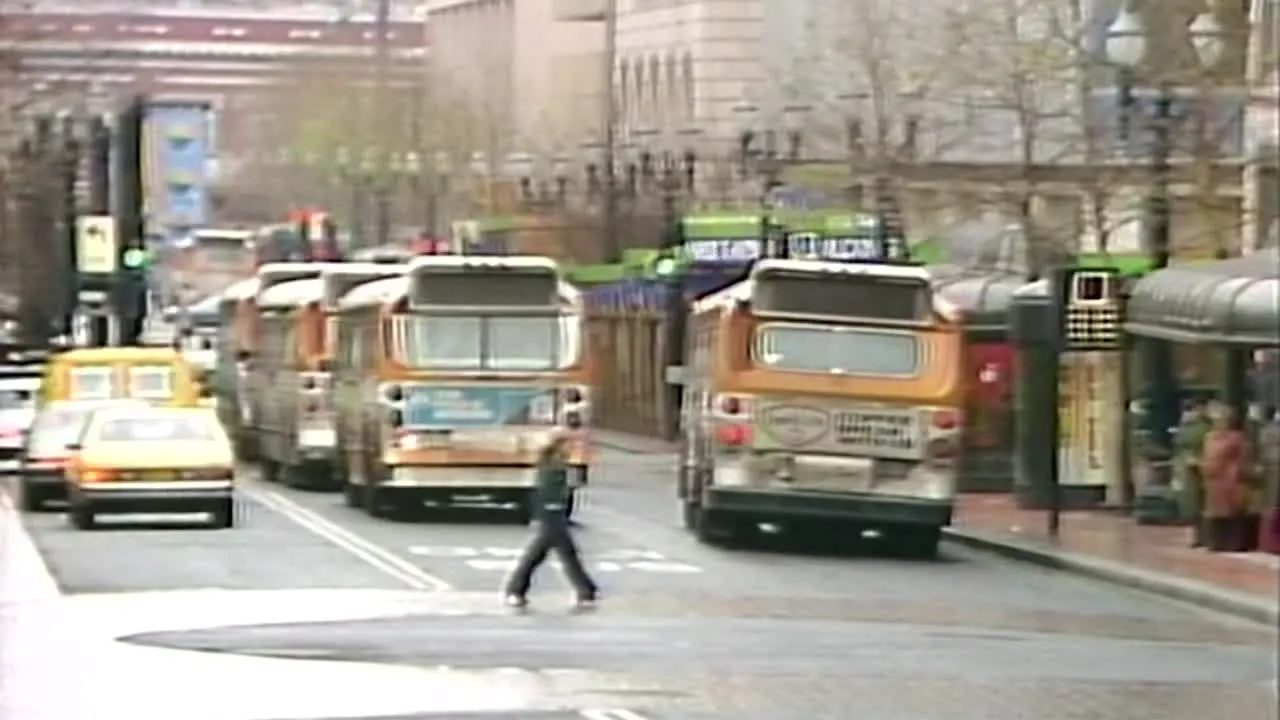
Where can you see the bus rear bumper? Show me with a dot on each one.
(864, 508)
(460, 477)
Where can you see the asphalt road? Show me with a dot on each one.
(686, 631)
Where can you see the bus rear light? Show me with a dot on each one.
(573, 420)
(309, 383)
(395, 419)
(573, 394)
(946, 419)
(733, 435)
(312, 407)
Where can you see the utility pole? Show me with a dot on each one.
(608, 135)
(381, 133)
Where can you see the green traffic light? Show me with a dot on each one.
(134, 258)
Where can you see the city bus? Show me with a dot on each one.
(822, 394)
(274, 359)
(452, 377)
(234, 346)
(295, 425)
(337, 280)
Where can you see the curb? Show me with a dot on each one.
(638, 446)
(1228, 602)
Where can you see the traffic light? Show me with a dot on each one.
(131, 280)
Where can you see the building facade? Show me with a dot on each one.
(225, 55)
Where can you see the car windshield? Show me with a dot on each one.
(17, 398)
(55, 428)
(153, 428)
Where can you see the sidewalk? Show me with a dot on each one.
(1115, 549)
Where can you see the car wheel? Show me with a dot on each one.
(224, 514)
(32, 499)
(82, 517)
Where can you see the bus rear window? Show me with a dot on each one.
(836, 349)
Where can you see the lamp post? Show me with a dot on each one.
(762, 153)
(1127, 47)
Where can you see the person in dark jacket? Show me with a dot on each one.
(553, 533)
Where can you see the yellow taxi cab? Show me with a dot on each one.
(150, 459)
(43, 456)
(158, 375)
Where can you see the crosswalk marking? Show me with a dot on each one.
(503, 559)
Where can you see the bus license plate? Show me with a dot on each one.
(486, 440)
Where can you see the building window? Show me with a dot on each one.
(690, 98)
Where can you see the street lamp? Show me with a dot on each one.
(519, 167)
(1127, 47)
(760, 154)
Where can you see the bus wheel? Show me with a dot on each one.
(351, 495)
(713, 527)
(919, 543)
(375, 502)
(269, 470)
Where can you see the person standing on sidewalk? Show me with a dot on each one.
(553, 531)
(1190, 441)
(1231, 518)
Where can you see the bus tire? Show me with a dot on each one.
(375, 503)
(350, 495)
(713, 528)
(270, 470)
(917, 542)
(688, 515)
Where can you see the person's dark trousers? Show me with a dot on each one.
(552, 534)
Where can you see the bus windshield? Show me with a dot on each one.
(489, 342)
(837, 349)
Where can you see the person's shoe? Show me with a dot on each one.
(586, 600)
(516, 601)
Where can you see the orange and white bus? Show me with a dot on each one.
(336, 281)
(285, 407)
(234, 346)
(451, 377)
(820, 392)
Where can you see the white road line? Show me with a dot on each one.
(24, 575)
(369, 552)
(611, 714)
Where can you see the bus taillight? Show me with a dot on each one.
(733, 435)
(946, 419)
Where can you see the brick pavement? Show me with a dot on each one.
(1117, 538)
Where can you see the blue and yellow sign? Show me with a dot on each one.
(472, 406)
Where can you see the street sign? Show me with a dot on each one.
(96, 245)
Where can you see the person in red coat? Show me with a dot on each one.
(1230, 518)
